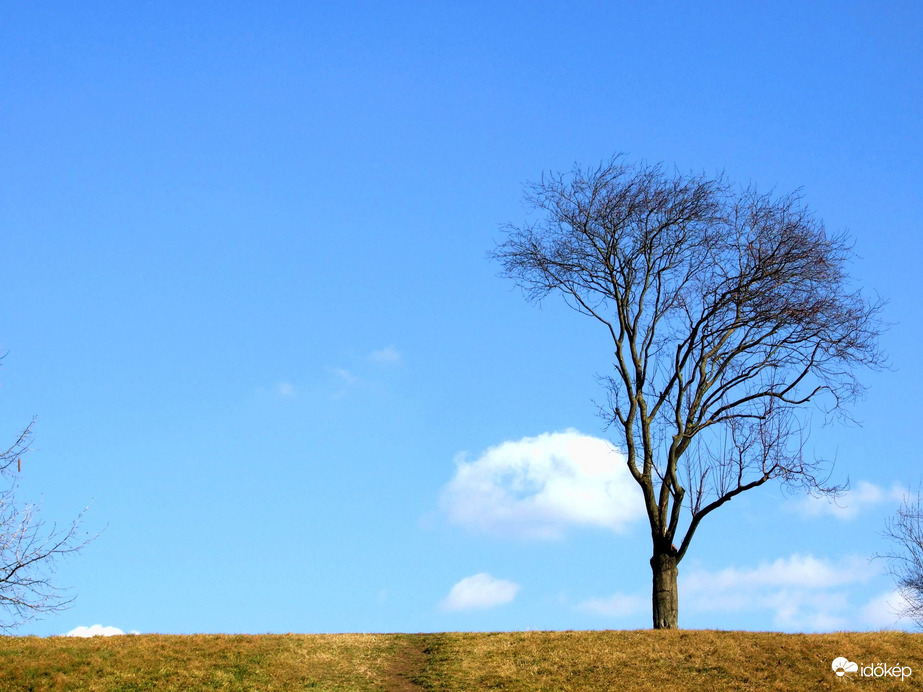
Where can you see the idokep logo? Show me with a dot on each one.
(843, 666)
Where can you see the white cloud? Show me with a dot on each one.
(803, 592)
(386, 356)
(805, 571)
(536, 487)
(96, 631)
(849, 503)
(617, 605)
(479, 592)
(884, 611)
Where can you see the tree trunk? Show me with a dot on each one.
(665, 597)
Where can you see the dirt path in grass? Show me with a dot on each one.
(413, 653)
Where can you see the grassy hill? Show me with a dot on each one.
(635, 660)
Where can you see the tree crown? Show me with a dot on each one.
(729, 311)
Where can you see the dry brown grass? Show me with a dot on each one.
(680, 661)
(639, 660)
(198, 662)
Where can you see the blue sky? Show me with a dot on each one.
(246, 295)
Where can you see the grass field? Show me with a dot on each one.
(683, 660)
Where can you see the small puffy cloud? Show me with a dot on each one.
(282, 389)
(850, 503)
(479, 592)
(285, 390)
(345, 376)
(96, 631)
(537, 487)
(343, 382)
(386, 356)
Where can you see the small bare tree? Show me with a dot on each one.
(728, 311)
(29, 551)
(905, 532)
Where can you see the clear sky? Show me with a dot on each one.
(246, 295)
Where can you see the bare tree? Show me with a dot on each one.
(28, 549)
(905, 532)
(729, 312)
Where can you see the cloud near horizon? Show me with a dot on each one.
(617, 605)
(803, 592)
(96, 631)
(479, 592)
(886, 611)
(537, 487)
